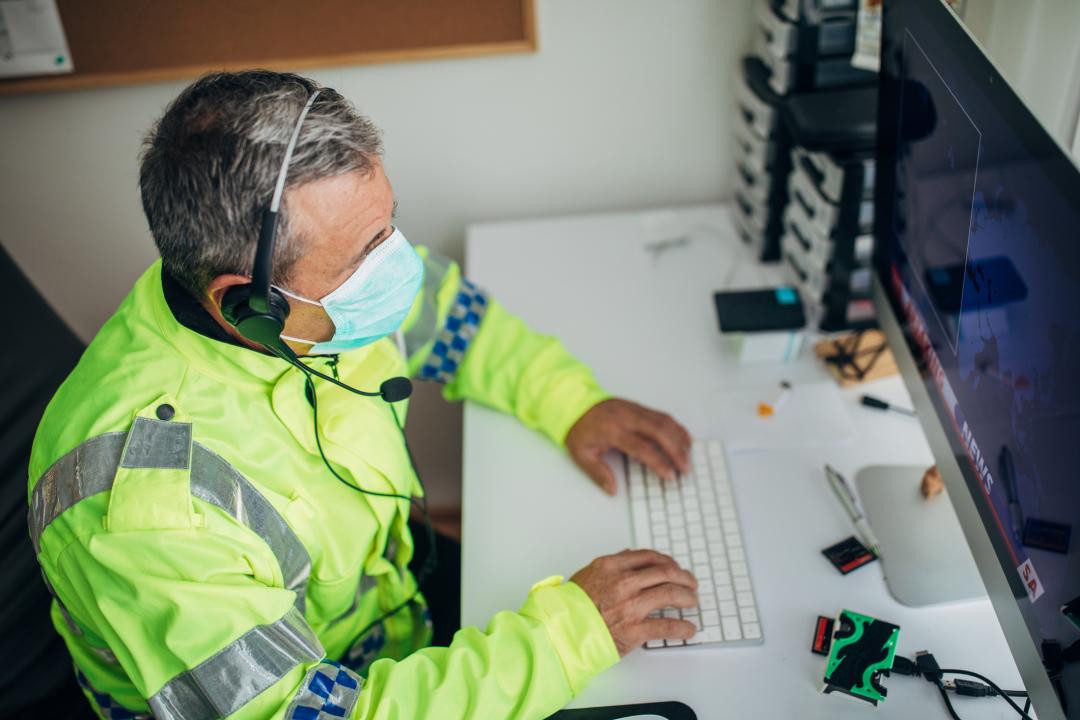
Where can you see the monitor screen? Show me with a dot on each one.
(978, 227)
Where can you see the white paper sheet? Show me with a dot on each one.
(814, 415)
(32, 41)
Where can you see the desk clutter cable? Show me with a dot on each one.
(926, 665)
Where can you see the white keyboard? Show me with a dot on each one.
(694, 520)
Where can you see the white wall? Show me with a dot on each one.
(1034, 44)
(625, 105)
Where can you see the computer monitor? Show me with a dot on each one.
(977, 285)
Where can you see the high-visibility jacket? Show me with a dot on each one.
(204, 563)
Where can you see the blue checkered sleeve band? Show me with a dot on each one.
(452, 341)
(109, 708)
(329, 691)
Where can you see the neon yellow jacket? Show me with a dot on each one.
(205, 564)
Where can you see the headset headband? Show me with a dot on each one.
(264, 251)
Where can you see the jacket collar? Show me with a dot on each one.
(189, 328)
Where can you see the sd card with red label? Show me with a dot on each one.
(849, 554)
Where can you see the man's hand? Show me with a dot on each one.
(626, 587)
(652, 437)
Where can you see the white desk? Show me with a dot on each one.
(646, 325)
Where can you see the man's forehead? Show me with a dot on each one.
(343, 204)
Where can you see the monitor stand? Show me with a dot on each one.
(924, 555)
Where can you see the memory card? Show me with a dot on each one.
(848, 555)
(822, 635)
(1046, 535)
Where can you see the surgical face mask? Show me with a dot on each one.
(374, 301)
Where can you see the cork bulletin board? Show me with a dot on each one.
(119, 42)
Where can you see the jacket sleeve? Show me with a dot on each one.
(201, 625)
(456, 334)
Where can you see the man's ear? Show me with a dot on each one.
(217, 288)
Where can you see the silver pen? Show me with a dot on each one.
(846, 497)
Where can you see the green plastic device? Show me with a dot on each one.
(861, 654)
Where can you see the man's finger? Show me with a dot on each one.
(663, 629)
(599, 472)
(663, 431)
(647, 577)
(646, 451)
(635, 559)
(663, 596)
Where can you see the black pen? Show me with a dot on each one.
(878, 404)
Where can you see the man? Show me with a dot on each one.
(226, 537)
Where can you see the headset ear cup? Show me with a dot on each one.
(259, 327)
(279, 306)
(234, 304)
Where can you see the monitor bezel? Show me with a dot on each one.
(954, 469)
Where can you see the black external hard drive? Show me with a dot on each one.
(759, 310)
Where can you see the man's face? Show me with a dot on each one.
(340, 220)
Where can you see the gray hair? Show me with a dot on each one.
(208, 168)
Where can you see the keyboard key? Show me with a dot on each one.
(742, 583)
(737, 555)
(727, 608)
(752, 631)
(747, 615)
(744, 599)
(725, 593)
(639, 515)
(732, 540)
(709, 634)
(711, 617)
(739, 568)
(680, 548)
(654, 644)
(697, 543)
(707, 602)
(732, 629)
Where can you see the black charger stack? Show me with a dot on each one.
(762, 161)
(807, 44)
(804, 145)
(827, 244)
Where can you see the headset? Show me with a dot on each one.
(258, 312)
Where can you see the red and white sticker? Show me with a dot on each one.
(1031, 580)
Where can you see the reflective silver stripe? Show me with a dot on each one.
(87, 470)
(233, 677)
(158, 444)
(423, 330)
(219, 483)
(328, 692)
(90, 468)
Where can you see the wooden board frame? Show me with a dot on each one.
(76, 81)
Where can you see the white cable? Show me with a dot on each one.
(279, 189)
